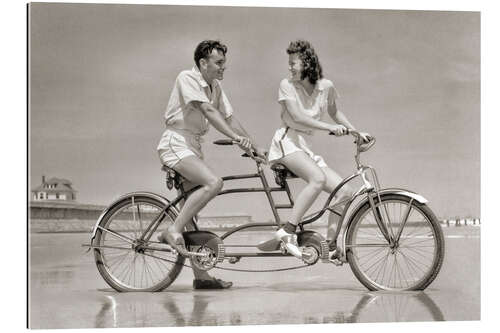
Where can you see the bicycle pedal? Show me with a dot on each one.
(234, 260)
(221, 252)
(336, 262)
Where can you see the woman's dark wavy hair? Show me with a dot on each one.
(205, 48)
(312, 67)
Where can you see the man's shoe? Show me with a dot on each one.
(211, 284)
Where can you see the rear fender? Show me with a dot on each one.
(207, 239)
(124, 197)
(201, 238)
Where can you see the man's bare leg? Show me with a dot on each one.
(199, 274)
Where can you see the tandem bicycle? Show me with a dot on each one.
(389, 236)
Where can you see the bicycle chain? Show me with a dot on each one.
(235, 269)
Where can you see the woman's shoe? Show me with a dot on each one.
(290, 242)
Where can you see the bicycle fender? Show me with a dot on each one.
(200, 238)
(151, 195)
(417, 197)
(205, 238)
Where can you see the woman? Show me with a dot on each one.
(304, 97)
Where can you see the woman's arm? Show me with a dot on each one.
(303, 119)
(338, 116)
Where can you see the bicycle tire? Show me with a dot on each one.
(127, 270)
(413, 247)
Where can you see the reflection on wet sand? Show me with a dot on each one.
(393, 307)
(170, 311)
(66, 291)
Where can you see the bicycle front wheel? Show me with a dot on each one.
(411, 263)
(123, 264)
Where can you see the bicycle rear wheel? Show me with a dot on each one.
(126, 266)
(411, 264)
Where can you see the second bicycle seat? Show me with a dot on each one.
(174, 179)
(281, 172)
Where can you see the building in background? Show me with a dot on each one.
(55, 189)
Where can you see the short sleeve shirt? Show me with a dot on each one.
(190, 86)
(314, 105)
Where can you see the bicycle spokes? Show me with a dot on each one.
(405, 262)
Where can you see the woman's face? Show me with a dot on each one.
(295, 66)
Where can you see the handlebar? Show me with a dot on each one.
(224, 142)
(361, 146)
(230, 142)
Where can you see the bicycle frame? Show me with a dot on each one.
(371, 190)
(366, 188)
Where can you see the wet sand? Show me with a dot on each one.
(66, 291)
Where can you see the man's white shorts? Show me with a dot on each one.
(175, 145)
(286, 141)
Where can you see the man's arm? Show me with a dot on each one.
(239, 129)
(215, 118)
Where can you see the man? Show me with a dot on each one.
(196, 101)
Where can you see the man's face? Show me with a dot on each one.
(214, 66)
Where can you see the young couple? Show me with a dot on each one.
(198, 100)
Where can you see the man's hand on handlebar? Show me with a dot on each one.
(257, 153)
(338, 130)
(243, 142)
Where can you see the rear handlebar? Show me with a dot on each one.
(229, 142)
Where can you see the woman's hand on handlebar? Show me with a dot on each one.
(366, 137)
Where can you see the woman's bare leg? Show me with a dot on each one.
(303, 166)
(332, 180)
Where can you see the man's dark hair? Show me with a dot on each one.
(205, 48)
(312, 67)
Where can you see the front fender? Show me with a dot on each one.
(151, 195)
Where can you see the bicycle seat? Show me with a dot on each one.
(278, 167)
(174, 179)
(281, 172)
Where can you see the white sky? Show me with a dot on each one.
(101, 76)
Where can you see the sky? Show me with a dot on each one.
(101, 75)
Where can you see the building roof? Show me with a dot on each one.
(58, 181)
(62, 185)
